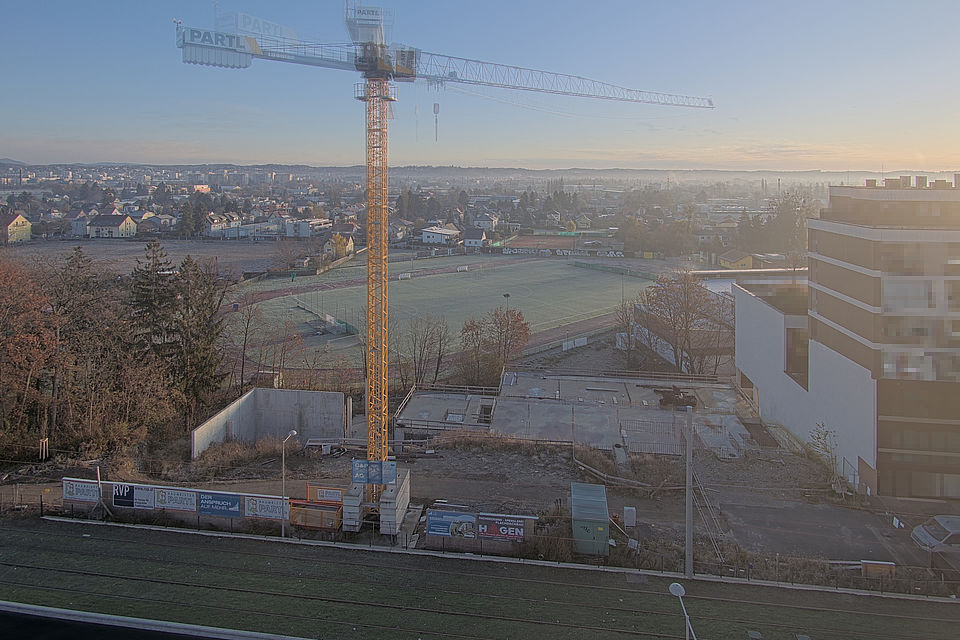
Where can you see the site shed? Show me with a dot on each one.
(591, 518)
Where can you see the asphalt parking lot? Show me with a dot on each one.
(828, 531)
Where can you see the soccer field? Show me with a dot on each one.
(550, 293)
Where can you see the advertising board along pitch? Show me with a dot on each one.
(133, 496)
(451, 524)
(496, 526)
(216, 503)
(78, 490)
(332, 495)
(270, 508)
(175, 499)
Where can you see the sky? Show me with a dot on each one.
(850, 85)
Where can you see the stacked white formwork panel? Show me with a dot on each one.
(352, 509)
(393, 504)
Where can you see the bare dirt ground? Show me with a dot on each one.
(769, 501)
(120, 256)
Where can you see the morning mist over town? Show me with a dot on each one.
(479, 320)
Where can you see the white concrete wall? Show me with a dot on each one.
(761, 354)
(262, 413)
(313, 414)
(843, 396)
(223, 426)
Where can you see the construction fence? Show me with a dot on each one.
(547, 539)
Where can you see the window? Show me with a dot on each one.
(909, 329)
(947, 366)
(901, 259)
(952, 266)
(904, 295)
(908, 365)
(953, 295)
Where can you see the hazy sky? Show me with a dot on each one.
(837, 85)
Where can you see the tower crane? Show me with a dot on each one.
(381, 63)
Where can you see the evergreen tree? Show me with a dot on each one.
(153, 294)
(188, 220)
(74, 291)
(196, 357)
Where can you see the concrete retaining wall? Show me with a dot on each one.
(262, 413)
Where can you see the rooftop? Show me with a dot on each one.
(592, 409)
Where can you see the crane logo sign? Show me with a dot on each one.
(216, 39)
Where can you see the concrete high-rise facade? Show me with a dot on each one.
(876, 356)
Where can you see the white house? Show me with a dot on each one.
(118, 226)
(474, 237)
(486, 221)
(305, 228)
(439, 235)
(221, 225)
(79, 226)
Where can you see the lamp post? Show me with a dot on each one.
(506, 297)
(677, 589)
(283, 483)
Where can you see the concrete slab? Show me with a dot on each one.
(819, 530)
(601, 411)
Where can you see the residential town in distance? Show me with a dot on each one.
(716, 215)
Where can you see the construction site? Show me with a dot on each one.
(556, 465)
(553, 463)
(630, 473)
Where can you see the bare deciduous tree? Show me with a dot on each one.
(694, 324)
(677, 301)
(246, 327)
(490, 343)
(427, 340)
(626, 324)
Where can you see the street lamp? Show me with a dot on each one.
(677, 589)
(506, 297)
(283, 483)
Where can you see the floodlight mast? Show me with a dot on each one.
(380, 63)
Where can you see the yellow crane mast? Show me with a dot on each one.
(377, 92)
(380, 62)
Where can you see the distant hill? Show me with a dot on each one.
(11, 161)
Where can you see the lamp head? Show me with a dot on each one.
(293, 433)
(677, 589)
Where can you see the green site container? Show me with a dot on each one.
(591, 518)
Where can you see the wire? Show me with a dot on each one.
(541, 109)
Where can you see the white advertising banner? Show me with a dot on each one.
(80, 490)
(176, 499)
(272, 508)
